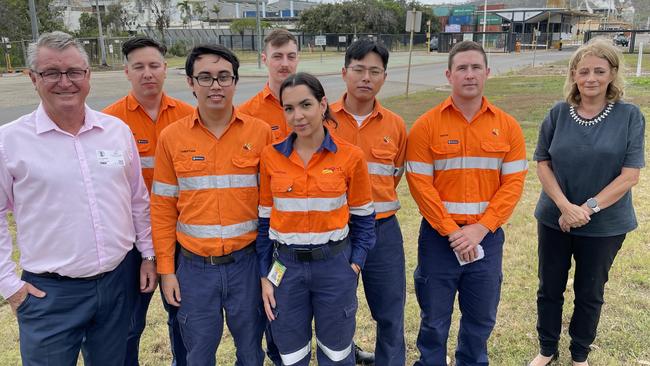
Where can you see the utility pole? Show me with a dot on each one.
(484, 22)
(258, 24)
(34, 20)
(102, 46)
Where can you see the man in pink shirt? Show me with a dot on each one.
(72, 178)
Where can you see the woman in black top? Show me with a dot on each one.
(589, 154)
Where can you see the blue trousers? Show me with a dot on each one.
(384, 282)
(438, 277)
(139, 305)
(76, 314)
(323, 290)
(207, 292)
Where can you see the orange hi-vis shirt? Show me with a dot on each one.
(462, 172)
(313, 204)
(145, 131)
(205, 189)
(266, 107)
(382, 137)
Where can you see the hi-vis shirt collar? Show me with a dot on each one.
(196, 118)
(286, 147)
(485, 105)
(340, 106)
(44, 123)
(133, 104)
(267, 93)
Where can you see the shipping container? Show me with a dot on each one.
(462, 19)
(443, 22)
(463, 10)
(441, 11)
(490, 19)
(468, 28)
(492, 7)
(490, 28)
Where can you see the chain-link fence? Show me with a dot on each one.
(13, 55)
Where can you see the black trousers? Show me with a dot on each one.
(593, 257)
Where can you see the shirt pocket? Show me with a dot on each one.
(495, 148)
(383, 155)
(445, 149)
(281, 185)
(332, 185)
(190, 164)
(249, 166)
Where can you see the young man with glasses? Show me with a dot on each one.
(205, 196)
(381, 134)
(147, 110)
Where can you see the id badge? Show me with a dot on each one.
(480, 256)
(276, 273)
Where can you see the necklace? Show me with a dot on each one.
(592, 121)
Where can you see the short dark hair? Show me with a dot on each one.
(313, 84)
(279, 37)
(211, 49)
(141, 42)
(361, 47)
(465, 46)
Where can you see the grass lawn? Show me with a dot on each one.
(625, 322)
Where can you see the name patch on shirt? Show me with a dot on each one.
(143, 141)
(453, 142)
(275, 128)
(198, 158)
(110, 157)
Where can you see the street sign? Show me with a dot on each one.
(321, 41)
(410, 24)
(343, 39)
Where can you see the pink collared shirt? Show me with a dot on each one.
(79, 201)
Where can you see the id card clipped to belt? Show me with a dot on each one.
(276, 272)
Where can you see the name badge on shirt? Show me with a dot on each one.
(110, 157)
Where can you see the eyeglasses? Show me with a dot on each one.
(207, 80)
(359, 70)
(53, 76)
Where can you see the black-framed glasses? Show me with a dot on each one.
(53, 76)
(359, 70)
(207, 80)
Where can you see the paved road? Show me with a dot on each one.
(17, 95)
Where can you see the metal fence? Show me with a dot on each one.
(494, 41)
(633, 37)
(13, 55)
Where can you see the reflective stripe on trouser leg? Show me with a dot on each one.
(291, 328)
(334, 297)
(385, 288)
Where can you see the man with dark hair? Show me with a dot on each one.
(466, 166)
(147, 110)
(280, 55)
(204, 197)
(72, 178)
(381, 134)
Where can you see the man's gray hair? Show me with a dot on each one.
(55, 40)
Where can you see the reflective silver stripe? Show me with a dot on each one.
(399, 171)
(264, 211)
(308, 238)
(364, 210)
(147, 161)
(381, 169)
(309, 204)
(294, 357)
(217, 231)
(514, 167)
(466, 208)
(332, 354)
(164, 189)
(419, 168)
(218, 181)
(468, 162)
(387, 206)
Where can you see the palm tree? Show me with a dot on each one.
(216, 9)
(186, 12)
(199, 9)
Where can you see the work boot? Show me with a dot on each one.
(362, 357)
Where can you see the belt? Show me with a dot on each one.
(217, 259)
(323, 252)
(56, 276)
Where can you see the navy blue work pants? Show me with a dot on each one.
(76, 314)
(207, 292)
(384, 282)
(593, 257)
(326, 291)
(438, 277)
(140, 304)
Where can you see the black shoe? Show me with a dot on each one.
(554, 358)
(362, 357)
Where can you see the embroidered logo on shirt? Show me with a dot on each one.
(495, 132)
(248, 146)
(198, 158)
(143, 141)
(275, 128)
(386, 139)
(453, 142)
(328, 171)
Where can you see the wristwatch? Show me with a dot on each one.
(150, 258)
(593, 205)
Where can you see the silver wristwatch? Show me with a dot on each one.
(593, 205)
(150, 258)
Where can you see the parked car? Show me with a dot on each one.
(621, 40)
(433, 45)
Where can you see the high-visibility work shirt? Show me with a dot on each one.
(312, 205)
(462, 172)
(267, 107)
(205, 190)
(146, 131)
(382, 137)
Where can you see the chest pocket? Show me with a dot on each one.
(144, 146)
(246, 162)
(190, 163)
(281, 185)
(332, 185)
(383, 155)
(495, 147)
(444, 149)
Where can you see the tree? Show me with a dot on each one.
(216, 9)
(185, 8)
(161, 11)
(87, 26)
(16, 25)
(243, 24)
